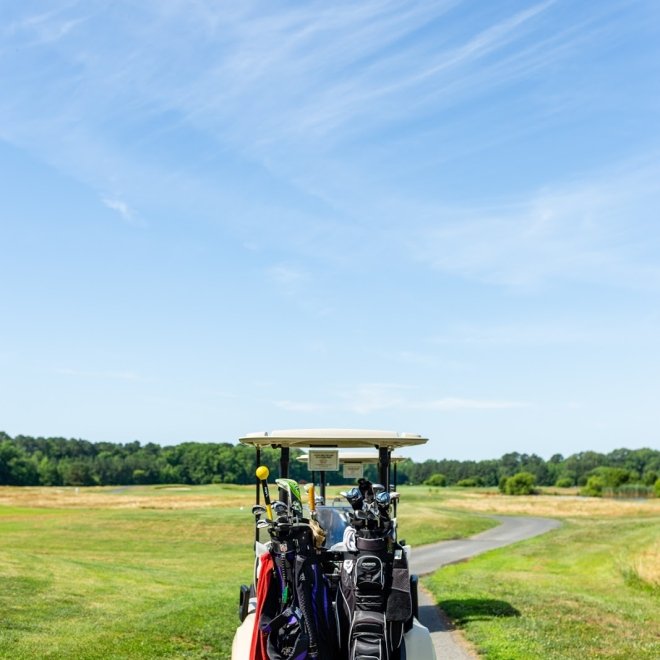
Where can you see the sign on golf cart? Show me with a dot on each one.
(324, 461)
(318, 594)
(353, 470)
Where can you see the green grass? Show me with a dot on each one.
(118, 584)
(94, 579)
(153, 572)
(578, 592)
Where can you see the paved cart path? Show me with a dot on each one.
(428, 558)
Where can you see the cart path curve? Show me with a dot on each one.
(425, 559)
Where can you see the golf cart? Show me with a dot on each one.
(331, 582)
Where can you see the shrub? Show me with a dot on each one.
(594, 487)
(468, 483)
(564, 482)
(650, 477)
(437, 480)
(657, 488)
(612, 477)
(520, 484)
(502, 484)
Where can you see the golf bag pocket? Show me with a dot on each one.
(369, 574)
(287, 637)
(367, 636)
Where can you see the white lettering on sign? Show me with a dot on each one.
(323, 461)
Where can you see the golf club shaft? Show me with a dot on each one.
(269, 510)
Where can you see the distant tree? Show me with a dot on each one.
(16, 467)
(564, 482)
(26, 460)
(510, 464)
(76, 472)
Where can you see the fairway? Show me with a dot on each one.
(122, 582)
(144, 572)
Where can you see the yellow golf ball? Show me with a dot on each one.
(262, 472)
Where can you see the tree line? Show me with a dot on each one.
(29, 461)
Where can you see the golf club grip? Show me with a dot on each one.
(269, 510)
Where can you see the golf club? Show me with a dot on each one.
(262, 473)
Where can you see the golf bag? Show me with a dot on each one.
(296, 615)
(374, 603)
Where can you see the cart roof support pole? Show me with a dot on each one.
(384, 467)
(394, 470)
(322, 484)
(284, 462)
(258, 456)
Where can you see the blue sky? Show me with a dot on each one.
(435, 217)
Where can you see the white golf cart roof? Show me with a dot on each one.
(335, 438)
(358, 457)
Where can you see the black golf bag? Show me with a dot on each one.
(374, 603)
(297, 614)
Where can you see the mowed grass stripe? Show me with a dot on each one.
(118, 584)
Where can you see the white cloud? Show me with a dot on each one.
(454, 403)
(372, 397)
(285, 275)
(121, 207)
(375, 397)
(302, 406)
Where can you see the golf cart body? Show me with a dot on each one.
(334, 518)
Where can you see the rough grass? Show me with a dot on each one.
(553, 506)
(586, 590)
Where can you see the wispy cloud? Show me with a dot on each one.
(122, 208)
(314, 96)
(302, 406)
(581, 231)
(288, 278)
(43, 28)
(454, 403)
(547, 333)
(265, 80)
(101, 375)
(369, 398)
